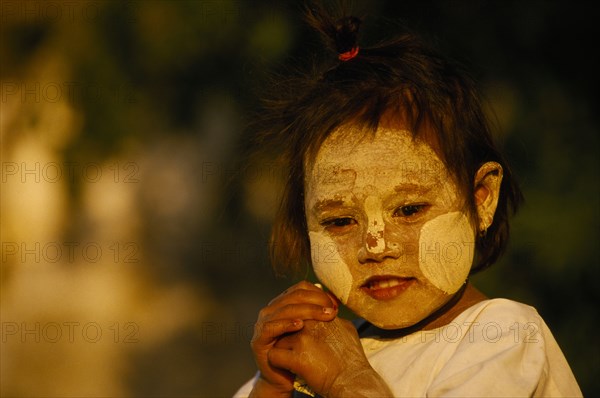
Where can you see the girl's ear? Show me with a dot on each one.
(487, 190)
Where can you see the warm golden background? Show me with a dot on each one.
(134, 242)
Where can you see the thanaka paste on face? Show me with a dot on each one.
(366, 180)
(375, 240)
(446, 246)
(329, 266)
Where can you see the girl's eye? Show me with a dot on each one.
(339, 222)
(409, 210)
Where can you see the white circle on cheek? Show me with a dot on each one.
(329, 266)
(446, 249)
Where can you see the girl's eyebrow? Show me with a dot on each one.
(325, 204)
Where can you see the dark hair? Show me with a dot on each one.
(403, 76)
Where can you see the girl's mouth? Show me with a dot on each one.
(386, 287)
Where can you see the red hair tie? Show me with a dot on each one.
(348, 55)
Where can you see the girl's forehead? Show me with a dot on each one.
(385, 147)
(380, 161)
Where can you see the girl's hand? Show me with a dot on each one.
(330, 358)
(286, 314)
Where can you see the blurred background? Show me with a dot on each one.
(134, 236)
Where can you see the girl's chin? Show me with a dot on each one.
(399, 312)
(392, 320)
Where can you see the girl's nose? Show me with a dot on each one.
(374, 246)
(368, 253)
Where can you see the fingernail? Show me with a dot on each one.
(328, 310)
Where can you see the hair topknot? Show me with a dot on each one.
(346, 34)
(341, 33)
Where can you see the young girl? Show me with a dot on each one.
(396, 194)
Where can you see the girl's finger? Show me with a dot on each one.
(302, 311)
(266, 333)
(284, 359)
(336, 302)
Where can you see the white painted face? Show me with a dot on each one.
(387, 230)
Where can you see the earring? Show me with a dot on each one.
(483, 232)
(483, 227)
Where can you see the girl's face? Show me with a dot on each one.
(387, 230)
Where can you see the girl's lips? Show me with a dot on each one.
(386, 287)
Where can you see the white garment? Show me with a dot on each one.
(497, 348)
